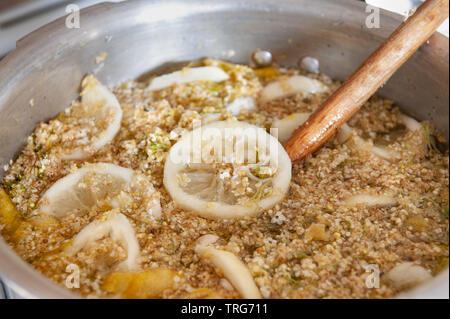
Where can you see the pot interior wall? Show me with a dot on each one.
(50, 63)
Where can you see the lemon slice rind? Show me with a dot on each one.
(290, 86)
(233, 269)
(119, 228)
(94, 94)
(287, 126)
(242, 103)
(62, 193)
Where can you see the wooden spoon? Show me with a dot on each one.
(373, 73)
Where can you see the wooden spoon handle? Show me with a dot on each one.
(373, 73)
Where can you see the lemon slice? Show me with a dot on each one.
(344, 133)
(9, 216)
(242, 103)
(116, 226)
(290, 86)
(371, 200)
(143, 284)
(186, 75)
(101, 182)
(230, 265)
(93, 123)
(410, 123)
(287, 126)
(408, 275)
(379, 151)
(227, 169)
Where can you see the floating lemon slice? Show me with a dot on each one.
(379, 151)
(116, 226)
(99, 183)
(410, 123)
(9, 216)
(242, 103)
(408, 275)
(230, 265)
(203, 73)
(145, 284)
(346, 133)
(227, 169)
(93, 123)
(371, 200)
(290, 86)
(287, 126)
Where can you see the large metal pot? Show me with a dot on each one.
(140, 36)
